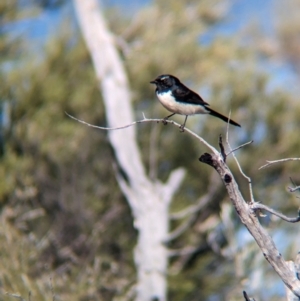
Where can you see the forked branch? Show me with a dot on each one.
(259, 206)
(248, 217)
(245, 211)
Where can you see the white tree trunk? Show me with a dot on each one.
(149, 201)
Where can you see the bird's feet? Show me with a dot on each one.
(166, 118)
(181, 128)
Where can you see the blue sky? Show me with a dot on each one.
(241, 14)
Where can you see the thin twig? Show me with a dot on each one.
(213, 187)
(259, 206)
(235, 149)
(279, 161)
(293, 189)
(146, 120)
(182, 228)
(239, 166)
(192, 209)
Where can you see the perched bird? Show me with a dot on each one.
(179, 99)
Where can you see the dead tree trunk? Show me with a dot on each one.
(149, 201)
(247, 213)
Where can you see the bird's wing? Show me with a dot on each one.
(186, 95)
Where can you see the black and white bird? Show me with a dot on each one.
(179, 99)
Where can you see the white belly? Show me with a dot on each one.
(168, 101)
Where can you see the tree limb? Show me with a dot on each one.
(295, 267)
(249, 219)
(149, 199)
(278, 161)
(240, 168)
(259, 206)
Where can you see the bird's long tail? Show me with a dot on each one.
(224, 118)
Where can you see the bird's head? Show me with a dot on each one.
(165, 81)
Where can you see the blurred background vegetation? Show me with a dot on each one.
(65, 227)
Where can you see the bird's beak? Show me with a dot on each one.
(153, 81)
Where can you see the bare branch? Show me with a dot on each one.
(241, 171)
(184, 255)
(182, 228)
(173, 183)
(295, 268)
(293, 189)
(259, 206)
(214, 186)
(143, 121)
(297, 265)
(279, 161)
(235, 149)
(250, 220)
(192, 209)
(224, 155)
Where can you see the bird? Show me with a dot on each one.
(179, 99)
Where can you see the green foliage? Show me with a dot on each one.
(288, 28)
(57, 180)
